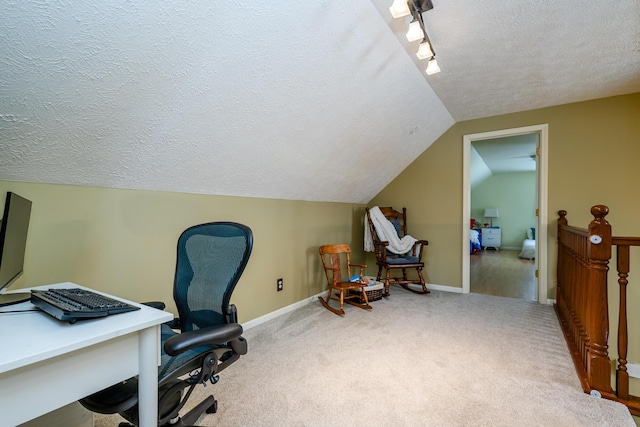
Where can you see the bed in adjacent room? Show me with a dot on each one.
(529, 245)
(475, 238)
(474, 242)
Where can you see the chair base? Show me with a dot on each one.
(209, 406)
(340, 311)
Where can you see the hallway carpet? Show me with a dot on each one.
(442, 359)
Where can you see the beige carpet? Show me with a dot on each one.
(442, 359)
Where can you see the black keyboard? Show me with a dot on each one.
(77, 304)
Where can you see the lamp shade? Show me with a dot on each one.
(424, 51)
(415, 31)
(491, 213)
(432, 67)
(399, 8)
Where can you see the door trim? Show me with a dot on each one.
(542, 183)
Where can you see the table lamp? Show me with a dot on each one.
(491, 213)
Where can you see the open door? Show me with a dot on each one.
(541, 202)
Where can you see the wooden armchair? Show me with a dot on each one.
(387, 260)
(336, 260)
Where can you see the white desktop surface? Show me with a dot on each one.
(46, 364)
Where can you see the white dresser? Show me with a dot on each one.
(491, 238)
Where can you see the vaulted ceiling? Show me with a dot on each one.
(320, 101)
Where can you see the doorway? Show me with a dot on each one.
(541, 201)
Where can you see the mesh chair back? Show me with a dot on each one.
(211, 259)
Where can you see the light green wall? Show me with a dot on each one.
(593, 159)
(514, 194)
(124, 242)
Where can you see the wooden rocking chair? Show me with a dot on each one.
(403, 262)
(336, 260)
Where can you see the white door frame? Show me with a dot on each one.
(542, 194)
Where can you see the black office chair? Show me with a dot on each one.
(211, 259)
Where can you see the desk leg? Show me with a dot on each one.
(148, 376)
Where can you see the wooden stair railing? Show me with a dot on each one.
(582, 303)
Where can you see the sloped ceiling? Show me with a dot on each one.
(502, 155)
(500, 57)
(277, 99)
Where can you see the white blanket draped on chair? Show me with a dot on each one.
(386, 232)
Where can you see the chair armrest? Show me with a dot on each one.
(422, 244)
(173, 323)
(155, 304)
(362, 267)
(221, 334)
(159, 305)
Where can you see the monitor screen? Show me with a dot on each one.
(13, 238)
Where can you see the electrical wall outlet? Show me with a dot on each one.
(280, 284)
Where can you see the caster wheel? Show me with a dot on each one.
(213, 408)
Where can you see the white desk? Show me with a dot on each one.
(46, 364)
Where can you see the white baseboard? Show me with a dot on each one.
(444, 288)
(288, 309)
(284, 310)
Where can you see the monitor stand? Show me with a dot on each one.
(14, 298)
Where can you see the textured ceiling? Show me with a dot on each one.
(500, 56)
(509, 153)
(279, 100)
(502, 155)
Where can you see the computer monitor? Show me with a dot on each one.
(13, 242)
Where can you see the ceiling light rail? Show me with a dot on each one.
(416, 8)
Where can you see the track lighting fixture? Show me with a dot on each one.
(416, 31)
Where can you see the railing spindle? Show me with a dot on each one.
(622, 376)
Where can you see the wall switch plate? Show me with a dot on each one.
(280, 284)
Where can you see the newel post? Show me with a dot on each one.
(562, 218)
(599, 253)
